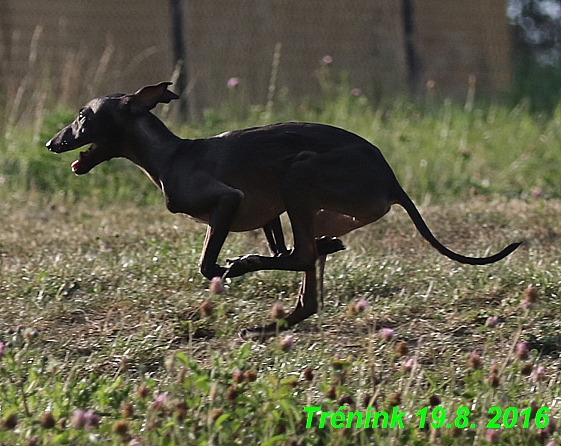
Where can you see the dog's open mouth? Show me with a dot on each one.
(75, 166)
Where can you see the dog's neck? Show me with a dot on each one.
(150, 145)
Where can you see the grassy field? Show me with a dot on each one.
(109, 334)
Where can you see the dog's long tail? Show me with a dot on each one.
(404, 200)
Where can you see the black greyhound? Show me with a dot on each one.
(328, 180)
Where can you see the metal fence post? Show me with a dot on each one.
(179, 54)
(411, 57)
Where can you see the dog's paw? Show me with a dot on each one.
(258, 334)
(241, 265)
(213, 271)
(329, 245)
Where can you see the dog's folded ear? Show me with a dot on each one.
(148, 97)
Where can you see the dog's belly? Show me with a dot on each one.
(254, 214)
(335, 225)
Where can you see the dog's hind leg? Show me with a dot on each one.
(304, 254)
(275, 240)
(275, 237)
(306, 306)
(302, 203)
(321, 264)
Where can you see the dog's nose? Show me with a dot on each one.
(49, 144)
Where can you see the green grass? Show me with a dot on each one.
(440, 152)
(100, 296)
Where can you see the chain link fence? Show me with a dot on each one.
(85, 48)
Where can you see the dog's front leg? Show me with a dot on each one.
(302, 257)
(220, 222)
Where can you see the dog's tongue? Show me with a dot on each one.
(75, 165)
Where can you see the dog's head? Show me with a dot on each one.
(100, 123)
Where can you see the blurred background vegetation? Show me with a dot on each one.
(461, 97)
(536, 29)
